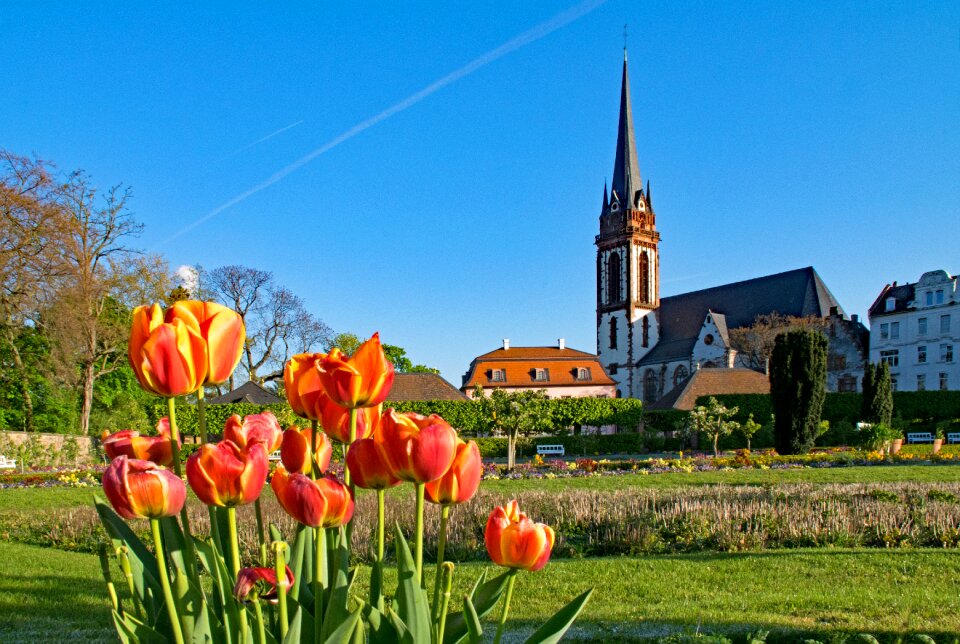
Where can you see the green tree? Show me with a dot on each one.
(513, 414)
(798, 376)
(749, 428)
(403, 364)
(714, 420)
(877, 404)
(348, 343)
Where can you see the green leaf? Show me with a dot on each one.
(143, 564)
(381, 629)
(474, 628)
(557, 625)
(275, 533)
(293, 635)
(344, 631)
(376, 585)
(337, 611)
(132, 630)
(296, 560)
(216, 567)
(403, 635)
(411, 602)
(484, 597)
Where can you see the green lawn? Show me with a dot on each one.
(50, 595)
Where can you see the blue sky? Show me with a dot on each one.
(776, 135)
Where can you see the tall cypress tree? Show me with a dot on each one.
(798, 378)
(866, 403)
(881, 403)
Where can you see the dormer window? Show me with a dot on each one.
(541, 375)
(892, 302)
(498, 375)
(583, 374)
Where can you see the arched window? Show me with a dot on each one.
(643, 277)
(613, 333)
(650, 386)
(613, 278)
(679, 375)
(646, 331)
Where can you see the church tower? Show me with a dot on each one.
(628, 262)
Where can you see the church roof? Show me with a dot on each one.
(711, 382)
(422, 386)
(626, 168)
(799, 293)
(249, 392)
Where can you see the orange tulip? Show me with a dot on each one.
(301, 379)
(368, 466)
(324, 503)
(514, 541)
(262, 428)
(221, 328)
(222, 474)
(140, 489)
(461, 481)
(362, 380)
(418, 448)
(169, 359)
(131, 444)
(295, 450)
(335, 420)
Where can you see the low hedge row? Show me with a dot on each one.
(496, 446)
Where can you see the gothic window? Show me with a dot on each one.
(643, 277)
(613, 333)
(646, 331)
(650, 386)
(679, 375)
(613, 278)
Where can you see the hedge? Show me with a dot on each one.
(582, 445)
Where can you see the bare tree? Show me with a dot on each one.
(277, 321)
(754, 343)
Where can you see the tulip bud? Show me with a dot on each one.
(514, 541)
(323, 503)
(301, 379)
(368, 466)
(248, 578)
(262, 428)
(362, 380)
(148, 448)
(221, 328)
(335, 420)
(418, 448)
(140, 489)
(169, 359)
(295, 450)
(224, 475)
(461, 481)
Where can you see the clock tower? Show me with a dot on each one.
(628, 262)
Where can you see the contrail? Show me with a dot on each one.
(536, 33)
(269, 136)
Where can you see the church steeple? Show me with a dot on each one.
(626, 168)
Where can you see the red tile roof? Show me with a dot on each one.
(710, 382)
(422, 386)
(519, 365)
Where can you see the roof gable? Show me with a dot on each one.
(712, 382)
(249, 392)
(422, 386)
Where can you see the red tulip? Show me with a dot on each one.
(324, 503)
(335, 420)
(248, 578)
(262, 428)
(169, 359)
(418, 448)
(301, 379)
(295, 450)
(461, 481)
(221, 328)
(514, 541)
(368, 466)
(362, 380)
(223, 474)
(130, 443)
(140, 489)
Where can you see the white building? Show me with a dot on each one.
(915, 328)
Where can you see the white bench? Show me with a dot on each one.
(550, 450)
(7, 463)
(953, 437)
(919, 437)
(275, 455)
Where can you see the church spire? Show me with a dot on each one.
(626, 168)
(606, 199)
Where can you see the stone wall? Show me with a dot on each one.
(35, 450)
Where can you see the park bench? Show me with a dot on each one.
(275, 456)
(953, 437)
(550, 450)
(7, 463)
(919, 437)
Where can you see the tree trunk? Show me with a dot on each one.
(24, 387)
(716, 439)
(86, 404)
(748, 444)
(511, 450)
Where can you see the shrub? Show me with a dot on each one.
(798, 370)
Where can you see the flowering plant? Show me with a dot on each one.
(300, 587)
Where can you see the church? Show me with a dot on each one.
(650, 345)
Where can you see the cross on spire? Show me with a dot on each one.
(625, 34)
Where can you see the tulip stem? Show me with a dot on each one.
(202, 414)
(506, 605)
(320, 548)
(191, 556)
(111, 589)
(346, 471)
(281, 567)
(314, 468)
(258, 612)
(165, 582)
(447, 580)
(380, 523)
(235, 561)
(441, 546)
(418, 537)
(260, 534)
(128, 574)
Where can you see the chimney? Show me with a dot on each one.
(506, 343)
(834, 311)
(854, 318)
(561, 343)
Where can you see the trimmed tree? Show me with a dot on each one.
(714, 420)
(798, 377)
(878, 400)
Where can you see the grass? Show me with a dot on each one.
(51, 595)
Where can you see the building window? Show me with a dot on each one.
(891, 357)
(613, 333)
(946, 353)
(944, 381)
(939, 297)
(893, 383)
(679, 375)
(643, 278)
(836, 362)
(885, 331)
(650, 386)
(583, 373)
(921, 382)
(847, 384)
(891, 303)
(498, 375)
(944, 324)
(612, 370)
(894, 330)
(929, 298)
(645, 326)
(613, 278)
(921, 354)
(922, 326)
(541, 375)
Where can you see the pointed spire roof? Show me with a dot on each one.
(626, 168)
(606, 199)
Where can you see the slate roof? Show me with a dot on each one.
(902, 294)
(626, 168)
(422, 386)
(711, 382)
(519, 364)
(249, 392)
(799, 293)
